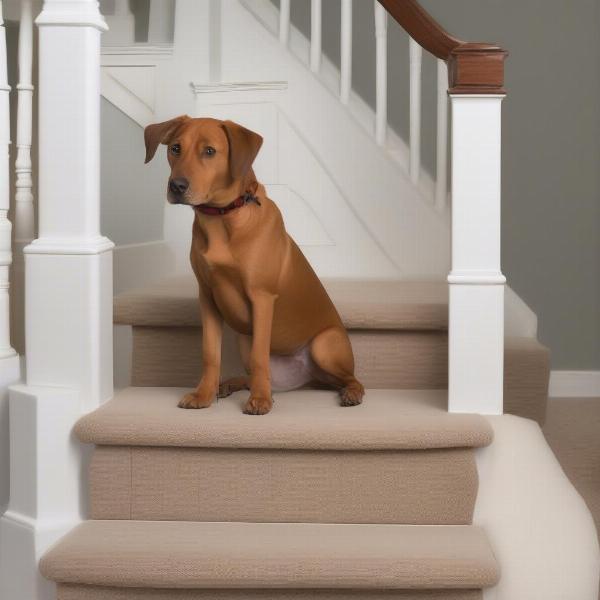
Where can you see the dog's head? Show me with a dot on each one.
(211, 160)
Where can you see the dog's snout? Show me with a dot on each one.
(178, 185)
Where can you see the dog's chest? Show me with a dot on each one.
(222, 274)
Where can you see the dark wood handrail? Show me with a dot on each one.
(473, 68)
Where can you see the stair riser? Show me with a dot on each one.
(193, 484)
(83, 592)
(171, 357)
(412, 360)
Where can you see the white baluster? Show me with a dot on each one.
(6, 350)
(160, 21)
(121, 26)
(381, 73)
(441, 183)
(68, 304)
(284, 22)
(346, 51)
(416, 58)
(24, 210)
(476, 314)
(315, 35)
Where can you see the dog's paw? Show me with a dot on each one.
(352, 394)
(258, 406)
(194, 400)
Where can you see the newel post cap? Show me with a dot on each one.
(476, 68)
(71, 13)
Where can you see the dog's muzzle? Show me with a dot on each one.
(178, 186)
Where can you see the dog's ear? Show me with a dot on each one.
(243, 148)
(160, 133)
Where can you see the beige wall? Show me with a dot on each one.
(551, 156)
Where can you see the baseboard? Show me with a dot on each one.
(574, 384)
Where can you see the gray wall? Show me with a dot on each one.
(551, 153)
(132, 201)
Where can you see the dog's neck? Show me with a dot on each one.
(220, 209)
(245, 216)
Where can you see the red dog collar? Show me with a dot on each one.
(215, 210)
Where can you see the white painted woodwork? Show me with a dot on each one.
(476, 312)
(6, 350)
(416, 59)
(132, 89)
(24, 209)
(380, 73)
(345, 51)
(316, 16)
(284, 21)
(68, 303)
(441, 181)
(160, 21)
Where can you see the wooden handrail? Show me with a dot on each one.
(473, 68)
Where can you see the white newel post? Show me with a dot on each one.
(476, 317)
(68, 304)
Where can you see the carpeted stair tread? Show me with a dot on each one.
(67, 591)
(392, 305)
(166, 554)
(300, 420)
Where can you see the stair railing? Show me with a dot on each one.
(472, 75)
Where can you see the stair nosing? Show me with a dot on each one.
(300, 420)
(272, 555)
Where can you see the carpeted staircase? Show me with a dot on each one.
(398, 329)
(311, 501)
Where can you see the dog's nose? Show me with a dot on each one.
(178, 185)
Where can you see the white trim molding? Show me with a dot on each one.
(152, 50)
(238, 86)
(574, 384)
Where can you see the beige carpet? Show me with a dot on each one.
(573, 431)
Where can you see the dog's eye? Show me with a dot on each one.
(175, 149)
(209, 151)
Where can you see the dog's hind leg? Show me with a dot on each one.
(332, 354)
(234, 384)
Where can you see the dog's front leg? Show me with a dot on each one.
(212, 333)
(260, 401)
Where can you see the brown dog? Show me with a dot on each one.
(250, 272)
